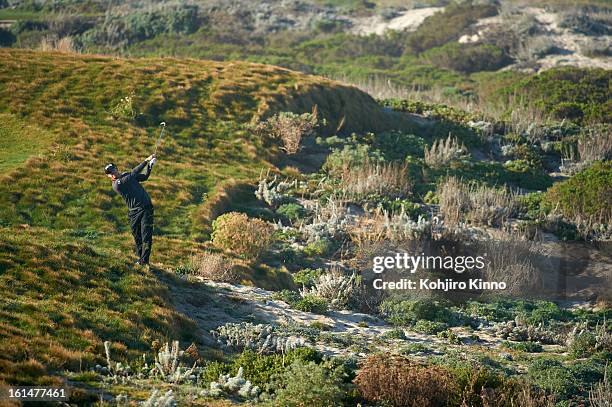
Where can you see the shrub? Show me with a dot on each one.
(311, 303)
(123, 30)
(400, 311)
(467, 58)
(450, 336)
(430, 327)
(552, 376)
(213, 266)
(397, 381)
(288, 127)
(321, 247)
(528, 346)
(261, 369)
(350, 156)
(442, 152)
(585, 195)
(586, 89)
(395, 145)
(335, 287)
(308, 384)
(307, 277)
(292, 211)
(247, 237)
(583, 345)
(395, 334)
(288, 296)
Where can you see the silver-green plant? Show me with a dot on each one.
(227, 385)
(156, 399)
(167, 364)
(116, 372)
(329, 221)
(262, 338)
(336, 287)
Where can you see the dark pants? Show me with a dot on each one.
(141, 223)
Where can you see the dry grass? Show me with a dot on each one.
(382, 179)
(444, 151)
(213, 266)
(601, 394)
(596, 145)
(514, 262)
(383, 225)
(397, 381)
(50, 43)
(475, 204)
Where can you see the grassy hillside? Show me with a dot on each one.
(82, 123)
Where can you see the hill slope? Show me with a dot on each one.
(70, 98)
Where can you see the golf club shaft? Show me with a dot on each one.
(159, 138)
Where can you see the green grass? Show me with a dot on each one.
(16, 14)
(69, 295)
(19, 141)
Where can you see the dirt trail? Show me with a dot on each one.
(212, 304)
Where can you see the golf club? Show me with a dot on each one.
(161, 134)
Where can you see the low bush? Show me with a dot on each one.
(580, 93)
(213, 266)
(350, 156)
(430, 327)
(395, 334)
(288, 127)
(467, 58)
(553, 377)
(307, 277)
(528, 346)
(311, 303)
(318, 248)
(585, 195)
(261, 369)
(583, 345)
(399, 311)
(123, 30)
(396, 381)
(247, 237)
(292, 211)
(308, 384)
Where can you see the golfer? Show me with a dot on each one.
(140, 208)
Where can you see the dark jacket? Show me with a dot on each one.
(128, 186)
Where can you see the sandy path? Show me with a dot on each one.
(409, 20)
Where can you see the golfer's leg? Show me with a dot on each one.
(147, 235)
(135, 220)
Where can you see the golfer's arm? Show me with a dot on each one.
(138, 169)
(145, 176)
